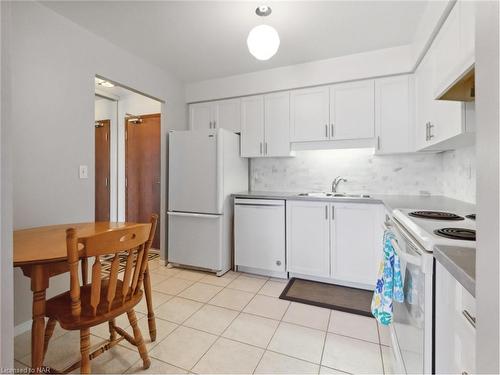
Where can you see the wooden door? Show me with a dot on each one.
(102, 170)
(308, 238)
(142, 170)
(352, 110)
(252, 126)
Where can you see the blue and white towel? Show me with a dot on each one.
(389, 286)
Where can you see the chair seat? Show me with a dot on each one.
(59, 307)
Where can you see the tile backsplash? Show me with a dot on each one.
(450, 173)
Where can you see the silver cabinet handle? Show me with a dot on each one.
(427, 131)
(210, 125)
(430, 131)
(469, 317)
(260, 148)
(326, 212)
(215, 124)
(326, 130)
(331, 130)
(378, 142)
(333, 212)
(265, 148)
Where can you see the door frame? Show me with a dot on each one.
(108, 124)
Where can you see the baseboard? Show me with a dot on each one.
(162, 262)
(23, 327)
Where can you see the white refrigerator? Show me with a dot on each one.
(205, 168)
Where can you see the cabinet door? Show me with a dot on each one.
(227, 114)
(200, 116)
(356, 242)
(308, 250)
(423, 99)
(393, 123)
(309, 115)
(252, 126)
(352, 110)
(277, 124)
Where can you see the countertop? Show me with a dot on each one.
(391, 202)
(461, 263)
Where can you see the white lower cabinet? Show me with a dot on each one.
(336, 242)
(356, 242)
(308, 238)
(455, 326)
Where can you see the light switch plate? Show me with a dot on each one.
(84, 171)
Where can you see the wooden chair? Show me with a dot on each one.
(105, 298)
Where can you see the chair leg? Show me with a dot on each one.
(149, 302)
(112, 332)
(49, 330)
(146, 362)
(85, 350)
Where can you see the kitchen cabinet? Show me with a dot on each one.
(223, 114)
(308, 238)
(438, 122)
(265, 125)
(309, 114)
(352, 112)
(454, 326)
(354, 257)
(259, 236)
(340, 112)
(394, 124)
(323, 241)
(454, 45)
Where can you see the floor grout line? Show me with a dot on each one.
(324, 341)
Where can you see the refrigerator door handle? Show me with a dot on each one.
(190, 214)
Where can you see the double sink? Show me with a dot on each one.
(334, 195)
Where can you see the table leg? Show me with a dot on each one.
(39, 284)
(149, 302)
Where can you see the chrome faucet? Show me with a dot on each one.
(336, 183)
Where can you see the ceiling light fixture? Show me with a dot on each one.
(263, 41)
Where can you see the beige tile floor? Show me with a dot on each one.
(232, 324)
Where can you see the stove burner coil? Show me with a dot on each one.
(457, 233)
(435, 215)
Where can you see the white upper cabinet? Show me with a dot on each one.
(454, 46)
(227, 114)
(352, 108)
(309, 114)
(265, 125)
(277, 124)
(393, 115)
(355, 258)
(200, 116)
(252, 126)
(223, 114)
(308, 236)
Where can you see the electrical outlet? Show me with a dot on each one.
(84, 172)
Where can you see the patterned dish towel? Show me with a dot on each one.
(389, 286)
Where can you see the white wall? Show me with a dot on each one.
(137, 105)
(345, 68)
(413, 174)
(6, 271)
(54, 63)
(488, 190)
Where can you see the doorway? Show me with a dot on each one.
(142, 169)
(102, 170)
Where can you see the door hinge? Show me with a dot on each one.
(126, 182)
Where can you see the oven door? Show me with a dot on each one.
(412, 324)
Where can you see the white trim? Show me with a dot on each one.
(22, 328)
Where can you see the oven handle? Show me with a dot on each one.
(408, 258)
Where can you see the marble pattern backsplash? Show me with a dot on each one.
(450, 173)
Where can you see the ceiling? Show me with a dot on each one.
(198, 40)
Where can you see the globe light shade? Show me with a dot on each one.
(263, 42)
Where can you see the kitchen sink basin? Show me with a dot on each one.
(333, 195)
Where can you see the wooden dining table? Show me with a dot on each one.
(41, 254)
